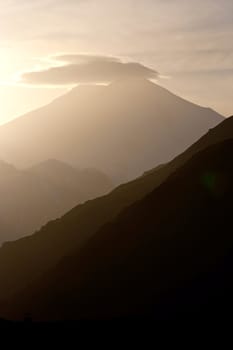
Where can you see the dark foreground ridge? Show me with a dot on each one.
(168, 256)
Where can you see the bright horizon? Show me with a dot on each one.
(189, 45)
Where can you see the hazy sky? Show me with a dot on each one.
(190, 44)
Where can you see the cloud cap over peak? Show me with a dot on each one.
(84, 69)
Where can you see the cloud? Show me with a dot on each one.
(84, 68)
(84, 58)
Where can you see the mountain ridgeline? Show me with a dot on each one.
(167, 254)
(121, 254)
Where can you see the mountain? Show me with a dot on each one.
(90, 182)
(170, 253)
(32, 197)
(124, 128)
(7, 170)
(28, 258)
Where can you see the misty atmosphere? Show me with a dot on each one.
(116, 171)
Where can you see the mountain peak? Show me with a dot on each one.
(123, 128)
(133, 81)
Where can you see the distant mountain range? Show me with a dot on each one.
(123, 129)
(139, 249)
(32, 197)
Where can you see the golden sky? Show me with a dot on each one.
(190, 44)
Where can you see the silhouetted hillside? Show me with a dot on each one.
(123, 129)
(166, 254)
(28, 258)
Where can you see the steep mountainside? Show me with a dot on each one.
(166, 254)
(28, 258)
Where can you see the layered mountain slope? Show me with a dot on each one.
(123, 129)
(28, 258)
(32, 197)
(168, 253)
(91, 182)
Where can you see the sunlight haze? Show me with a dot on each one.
(188, 43)
(116, 172)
